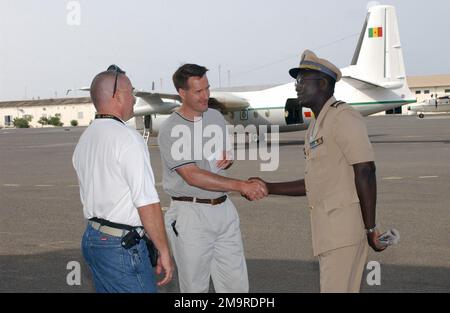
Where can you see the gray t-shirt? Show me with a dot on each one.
(183, 142)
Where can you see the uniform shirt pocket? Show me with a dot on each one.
(318, 152)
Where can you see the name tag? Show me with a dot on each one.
(316, 143)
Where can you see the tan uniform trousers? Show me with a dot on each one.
(341, 269)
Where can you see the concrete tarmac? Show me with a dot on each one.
(42, 223)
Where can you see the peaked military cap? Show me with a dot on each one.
(310, 62)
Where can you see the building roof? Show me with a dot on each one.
(428, 81)
(45, 102)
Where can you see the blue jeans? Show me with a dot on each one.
(114, 268)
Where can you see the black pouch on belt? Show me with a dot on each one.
(131, 239)
(152, 251)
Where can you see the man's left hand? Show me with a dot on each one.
(373, 241)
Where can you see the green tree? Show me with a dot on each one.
(74, 123)
(20, 122)
(55, 121)
(43, 121)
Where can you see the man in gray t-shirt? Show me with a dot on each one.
(177, 151)
(202, 223)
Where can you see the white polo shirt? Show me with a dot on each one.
(114, 172)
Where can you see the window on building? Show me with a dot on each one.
(80, 115)
(418, 92)
(8, 120)
(58, 114)
(447, 91)
(426, 92)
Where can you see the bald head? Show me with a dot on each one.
(102, 92)
(102, 87)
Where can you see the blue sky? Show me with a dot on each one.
(253, 42)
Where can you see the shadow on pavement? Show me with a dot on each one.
(47, 272)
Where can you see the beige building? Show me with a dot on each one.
(426, 87)
(68, 109)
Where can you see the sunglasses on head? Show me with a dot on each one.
(117, 70)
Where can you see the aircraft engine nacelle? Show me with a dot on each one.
(152, 122)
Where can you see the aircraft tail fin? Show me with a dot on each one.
(378, 56)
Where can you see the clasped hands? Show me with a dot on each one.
(254, 189)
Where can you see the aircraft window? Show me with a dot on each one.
(426, 92)
(244, 115)
(255, 114)
(418, 92)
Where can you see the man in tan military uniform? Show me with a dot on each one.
(340, 181)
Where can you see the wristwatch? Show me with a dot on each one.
(371, 230)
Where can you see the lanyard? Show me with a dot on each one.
(99, 116)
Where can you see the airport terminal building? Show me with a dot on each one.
(67, 109)
(82, 110)
(426, 87)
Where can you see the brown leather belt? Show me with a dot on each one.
(198, 200)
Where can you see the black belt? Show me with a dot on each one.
(198, 200)
(104, 222)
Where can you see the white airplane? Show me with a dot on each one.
(374, 82)
(438, 105)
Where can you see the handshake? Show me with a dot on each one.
(254, 189)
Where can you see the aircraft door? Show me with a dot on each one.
(148, 125)
(293, 112)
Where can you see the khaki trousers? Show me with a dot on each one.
(341, 269)
(208, 245)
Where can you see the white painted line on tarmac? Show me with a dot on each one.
(72, 186)
(44, 185)
(11, 185)
(426, 177)
(392, 178)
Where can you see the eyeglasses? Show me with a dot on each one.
(300, 81)
(117, 70)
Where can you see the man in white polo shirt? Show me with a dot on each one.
(117, 190)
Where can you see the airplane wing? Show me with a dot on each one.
(164, 103)
(227, 102)
(156, 97)
(364, 84)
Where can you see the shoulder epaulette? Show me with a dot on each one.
(337, 103)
